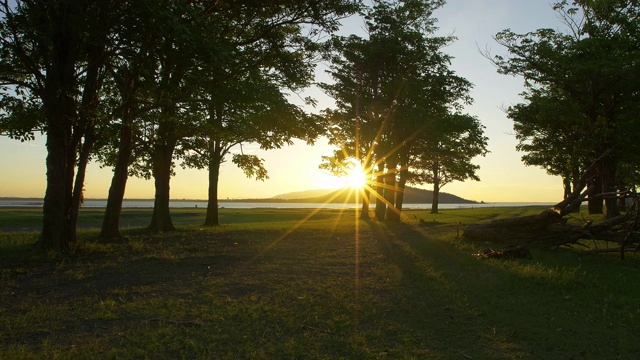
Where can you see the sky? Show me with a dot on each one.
(504, 178)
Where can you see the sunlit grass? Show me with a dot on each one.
(306, 284)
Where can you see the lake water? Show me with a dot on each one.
(91, 203)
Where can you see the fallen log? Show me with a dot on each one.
(548, 228)
(551, 228)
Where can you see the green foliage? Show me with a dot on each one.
(133, 79)
(445, 151)
(548, 130)
(397, 98)
(20, 118)
(582, 87)
(251, 165)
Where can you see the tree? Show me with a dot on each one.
(53, 59)
(593, 68)
(388, 89)
(250, 109)
(224, 40)
(445, 152)
(134, 88)
(242, 101)
(595, 71)
(547, 128)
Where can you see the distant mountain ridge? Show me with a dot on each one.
(411, 196)
(304, 194)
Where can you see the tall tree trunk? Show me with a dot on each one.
(78, 187)
(366, 200)
(111, 221)
(622, 201)
(566, 185)
(59, 108)
(392, 213)
(595, 204)
(55, 225)
(127, 86)
(86, 126)
(609, 186)
(381, 207)
(72, 150)
(575, 182)
(435, 202)
(404, 174)
(215, 160)
(162, 161)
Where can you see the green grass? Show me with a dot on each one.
(292, 284)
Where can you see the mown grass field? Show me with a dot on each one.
(305, 284)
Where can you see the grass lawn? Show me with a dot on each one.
(306, 284)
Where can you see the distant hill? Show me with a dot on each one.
(304, 194)
(411, 196)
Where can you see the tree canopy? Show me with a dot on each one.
(69, 68)
(390, 89)
(581, 85)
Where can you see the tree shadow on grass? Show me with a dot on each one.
(558, 305)
(431, 308)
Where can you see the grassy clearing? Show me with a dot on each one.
(293, 284)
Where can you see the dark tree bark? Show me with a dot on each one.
(78, 187)
(87, 127)
(402, 182)
(609, 187)
(381, 207)
(72, 148)
(127, 86)
(595, 204)
(59, 108)
(392, 213)
(366, 199)
(111, 221)
(215, 160)
(566, 184)
(55, 225)
(436, 187)
(162, 161)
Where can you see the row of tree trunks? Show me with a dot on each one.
(389, 193)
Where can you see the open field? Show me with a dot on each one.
(294, 284)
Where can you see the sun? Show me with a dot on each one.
(356, 177)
